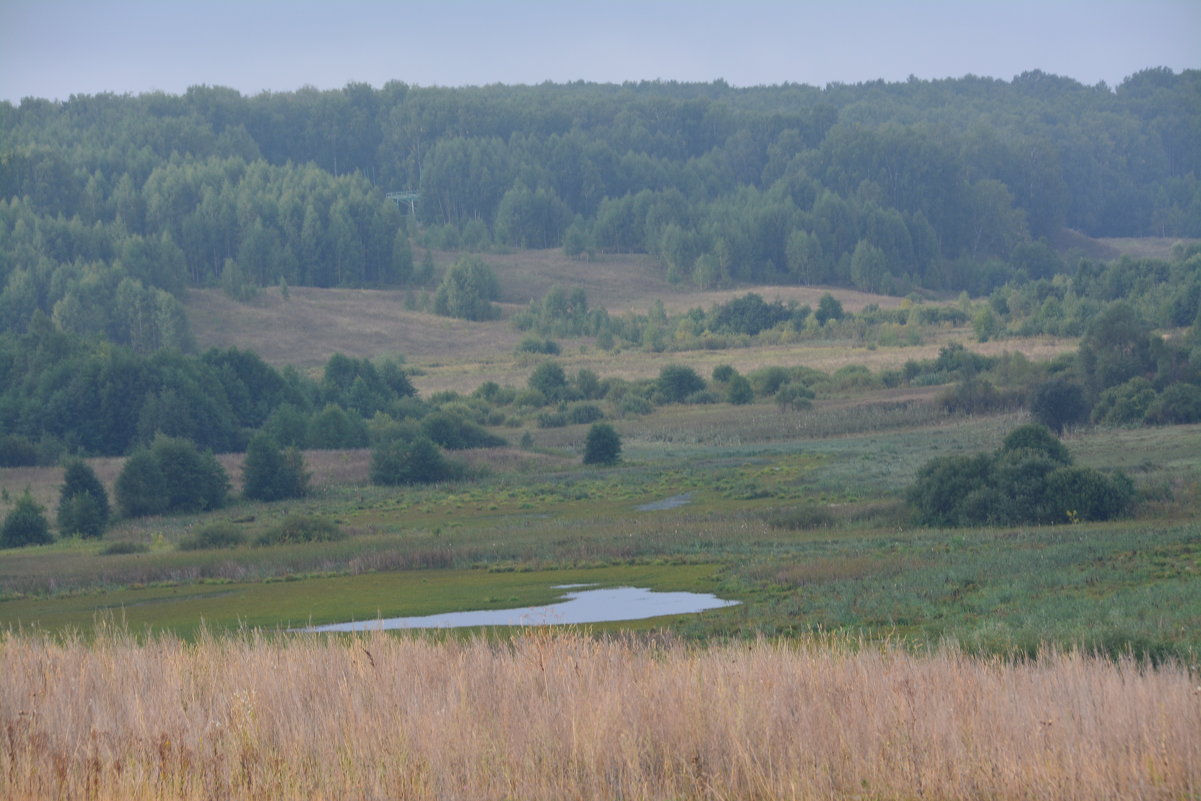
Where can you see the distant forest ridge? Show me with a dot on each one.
(110, 206)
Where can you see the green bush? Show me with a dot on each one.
(120, 548)
(173, 475)
(25, 524)
(141, 488)
(1125, 404)
(801, 518)
(585, 413)
(1080, 493)
(466, 291)
(602, 446)
(271, 474)
(17, 451)
(1059, 403)
(739, 391)
(212, 537)
(301, 528)
(1178, 404)
(1030, 479)
(418, 460)
(82, 502)
(546, 347)
(552, 420)
(677, 382)
(549, 379)
(453, 432)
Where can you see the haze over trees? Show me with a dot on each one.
(112, 205)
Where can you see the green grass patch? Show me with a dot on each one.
(296, 601)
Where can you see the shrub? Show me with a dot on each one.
(602, 446)
(1059, 403)
(1178, 404)
(194, 479)
(172, 475)
(1080, 493)
(25, 524)
(676, 382)
(1125, 404)
(634, 404)
(972, 396)
(456, 433)
(466, 291)
(828, 308)
(141, 488)
(301, 528)
(585, 413)
(334, 427)
(547, 347)
(270, 474)
(416, 461)
(82, 502)
(17, 451)
(794, 395)
(118, 548)
(212, 537)
(801, 518)
(768, 380)
(1036, 437)
(552, 420)
(549, 379)
(1030, 479)
(723, 373)
(739, 391)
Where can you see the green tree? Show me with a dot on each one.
(467, 290)
(549, 379)
(828, 308)
(194, 480)
(869, 266)
(739, 390)
(417, 460)
(272, 474)
(82, 501)
(141, 488)
(25, 524)
(602, 445)
(172, 475)
(1059, 403)
(676, 382)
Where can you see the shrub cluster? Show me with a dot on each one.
(301, 528)
(1030, 479)
(172, 475)
(212, 537)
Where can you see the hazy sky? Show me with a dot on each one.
(56, 48)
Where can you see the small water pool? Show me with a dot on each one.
(579, 606)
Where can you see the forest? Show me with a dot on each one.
(111, 206)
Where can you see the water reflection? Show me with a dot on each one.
(580, 606)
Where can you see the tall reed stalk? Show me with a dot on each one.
(567, 716)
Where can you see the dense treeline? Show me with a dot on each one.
(110, 205)
(61, 393)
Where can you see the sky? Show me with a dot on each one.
(56, 48)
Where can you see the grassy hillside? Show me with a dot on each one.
(311, 324)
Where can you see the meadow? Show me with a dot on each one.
(868, 657)
(571, 716)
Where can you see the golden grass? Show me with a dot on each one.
(565, 716)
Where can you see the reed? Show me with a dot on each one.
(569, 716)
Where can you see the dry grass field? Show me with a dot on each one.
(313, 324)
(566, 716)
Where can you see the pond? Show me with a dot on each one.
(580, 606)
